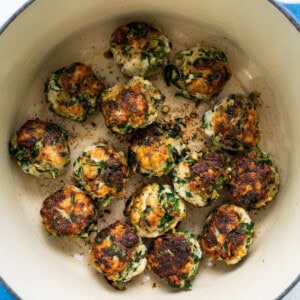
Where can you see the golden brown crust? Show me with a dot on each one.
(253, 180)
(150, 150)
(77, 109)
(135, 208)
(130, 106)
(154, 150)
(225, 234)
(150, 136)
(113, 249)
(120, 34)
(115, 175)
(237, 122)
(140, 49)
(30, 132)
(53, 142)
(73, 92)
(154, 209)
(205, 172)
(200, 72)
(67, 212)
(101, 172)
(214, 76)
(143, 32)
(79, 78)
(169, 257)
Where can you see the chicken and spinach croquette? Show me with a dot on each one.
(140, 49)
(199, 176)
(233, 122)
(102, 172)
(199, 73)
(154, 209)
(254, 179)
(68, 212)
(118, 253)
(227, 234)
(175, 257)
(127, 107)
(41, 149)
(73, 92)
(154, 150)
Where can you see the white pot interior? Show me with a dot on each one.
(263, 50)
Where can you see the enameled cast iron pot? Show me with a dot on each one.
(263, 48)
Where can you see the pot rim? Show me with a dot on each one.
(23, 7)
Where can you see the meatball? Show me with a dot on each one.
(254, 179)
(140, 49)
(227, 234)
(126, 107)
(175, 258)
(200, 175)
(154, 151)
(102, 172)
(72, 92)
(118, 253)
(68, 212)
(41, 149)
(199, 72)
(233, 122)
(154, 209)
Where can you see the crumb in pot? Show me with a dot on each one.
(127, 107)
(199, 176)
(154, 209)
(41, 149)
(118, 253)
(140, 49)
(68, 212)
(154, 150)
(108, 54)
(227, 234)
(73, 92)
(175, 257)
(165, 109)
(199, 73)
(254, 179)
(233, 122)
(101, 172)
